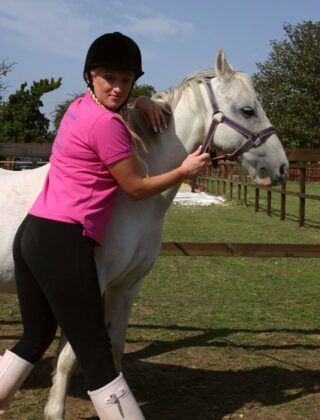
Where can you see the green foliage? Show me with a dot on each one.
(5, 68)
(21, 120)
(141, 90)
(288, 85)
(61, 109)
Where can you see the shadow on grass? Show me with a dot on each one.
(174, 392)
(209, 337)
(180, 393)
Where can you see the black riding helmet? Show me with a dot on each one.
(116, 51)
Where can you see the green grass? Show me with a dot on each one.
(213, 337)
(232, 292)
(257, 318)
(233, 223)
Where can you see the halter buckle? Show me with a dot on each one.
(256, 142)
(220, 118)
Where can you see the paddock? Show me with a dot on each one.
(211, 337)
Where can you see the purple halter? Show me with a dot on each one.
(253, 139)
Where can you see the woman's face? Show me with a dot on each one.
(112, 87)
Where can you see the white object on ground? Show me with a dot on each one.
(199, 199)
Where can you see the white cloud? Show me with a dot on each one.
(160, 25)
(66, 27)
(43, 25)
(134, 7)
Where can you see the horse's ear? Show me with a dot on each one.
(223, 68)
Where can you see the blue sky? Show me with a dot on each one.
(50, 38)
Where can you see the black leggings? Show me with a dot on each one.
(57, 283)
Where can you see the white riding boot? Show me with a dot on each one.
(13, 372)
(115, 401)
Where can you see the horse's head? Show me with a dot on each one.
(235, 119)
(244, 131)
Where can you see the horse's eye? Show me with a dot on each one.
(247, 111)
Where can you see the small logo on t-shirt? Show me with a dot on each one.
(72, 116)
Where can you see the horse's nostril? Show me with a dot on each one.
(263, 171)
(284, 169)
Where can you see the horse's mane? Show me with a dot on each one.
(173, 95)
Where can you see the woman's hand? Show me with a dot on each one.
(154, 114)
(195, 163)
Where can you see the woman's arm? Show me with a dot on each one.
(126, 174)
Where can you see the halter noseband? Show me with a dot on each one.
(253, 139)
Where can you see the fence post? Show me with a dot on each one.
(269, 200)
(245, 190)
(239, 191)
(256, 199)
(302, 200)
(231, 187)
(225, 176)
(245, 195)
(283, 201)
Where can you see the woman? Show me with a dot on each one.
(54, 246)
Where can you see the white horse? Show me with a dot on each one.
(133, 238)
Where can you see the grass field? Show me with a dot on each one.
(212, 338)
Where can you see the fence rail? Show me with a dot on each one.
(190, 249)
(42, 150)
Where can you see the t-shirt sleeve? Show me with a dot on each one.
(110, 139)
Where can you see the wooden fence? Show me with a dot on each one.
(229, 176)
(42, 150)
(19, 155)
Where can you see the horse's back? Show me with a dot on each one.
(18, 191)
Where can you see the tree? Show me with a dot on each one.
(61, 109)
(288, 85)
(5, 68)
(141, 90)
(21, 120)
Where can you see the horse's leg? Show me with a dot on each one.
(66, 364)
(118, 302)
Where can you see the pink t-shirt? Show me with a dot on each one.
(79, 188)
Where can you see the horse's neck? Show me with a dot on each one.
(166, 150)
